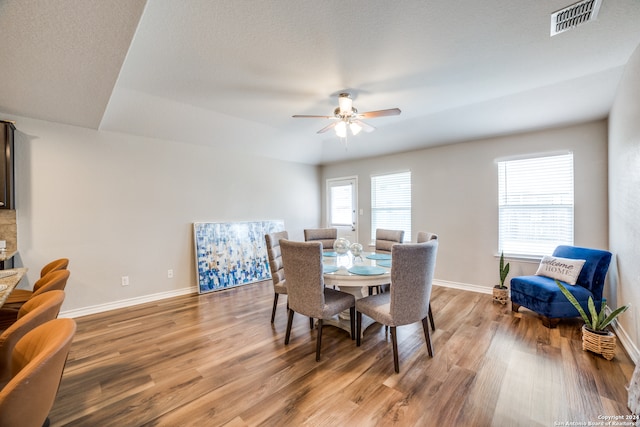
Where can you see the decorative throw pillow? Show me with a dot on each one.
(564, 269)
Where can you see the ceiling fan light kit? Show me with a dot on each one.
(355, 128)
(345, 103)
(347, 117)
(341, 129)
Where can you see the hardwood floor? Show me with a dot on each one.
(215, 360)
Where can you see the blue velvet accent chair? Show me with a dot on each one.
(542, 295)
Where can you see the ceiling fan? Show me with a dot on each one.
(346, 116)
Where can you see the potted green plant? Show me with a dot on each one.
(501, 292)
(595, 337)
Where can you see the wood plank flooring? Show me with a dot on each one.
(216, 360)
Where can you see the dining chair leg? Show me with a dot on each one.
(433, 325)
(394, 343)
(275, 304)
(427, 336)
(378, 289)
(352, 318)
(358, 327)
(319, 340)
(289, 322)
(310, 322)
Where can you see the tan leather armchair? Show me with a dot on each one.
(54, 280)
(37, 364)
(38, 310)
(58, 264)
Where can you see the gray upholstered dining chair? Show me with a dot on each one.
(275, 266)
(424, 236)
(307, 294)
(385, 239)
(408, 298)
(327, 236)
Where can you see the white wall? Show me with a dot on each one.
(119, 205)
(455, 193)
(624, 201)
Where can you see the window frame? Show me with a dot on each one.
(559, 205)
(374, 210)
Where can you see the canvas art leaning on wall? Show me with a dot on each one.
(230, 254)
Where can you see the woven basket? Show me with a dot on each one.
(500, 295)
(604, 344)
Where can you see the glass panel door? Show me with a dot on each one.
(342, 207)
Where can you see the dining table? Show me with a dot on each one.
(9, 279)
(354, 275)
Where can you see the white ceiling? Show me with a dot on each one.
(231, 73)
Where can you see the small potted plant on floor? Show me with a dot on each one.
(595, 337)
(501, 292)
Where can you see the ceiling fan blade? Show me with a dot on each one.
(328, 127)
(380, 113)
(303, 116)
(365, 126)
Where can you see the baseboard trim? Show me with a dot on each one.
(626, 342)
(463, 286)
(101, 308)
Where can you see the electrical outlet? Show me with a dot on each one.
(125, 280)
(170, 274)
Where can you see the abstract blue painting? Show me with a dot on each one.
(230, 254)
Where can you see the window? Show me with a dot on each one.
(535, 204)
(391, 203)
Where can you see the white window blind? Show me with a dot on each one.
(535, 204)
(391, 203)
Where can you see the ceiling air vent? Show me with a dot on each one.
(574, 15)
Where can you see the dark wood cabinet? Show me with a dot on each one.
(7, 186)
